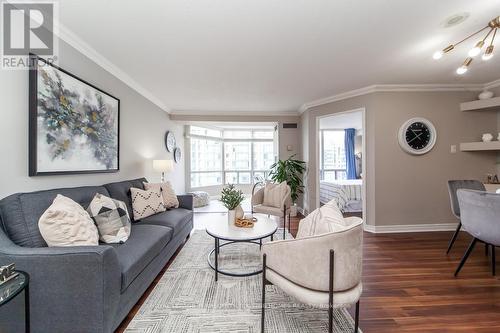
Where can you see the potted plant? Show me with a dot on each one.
(291, 171)
(231, 198)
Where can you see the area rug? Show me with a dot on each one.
(187, 299)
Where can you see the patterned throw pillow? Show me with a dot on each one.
(146, 203)
(322, 220)
(111, 218)
(66, 223)
(274, 194)
(167, 192)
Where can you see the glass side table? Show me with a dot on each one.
(10, 289)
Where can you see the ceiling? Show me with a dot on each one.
(274, 56)
(342, 121)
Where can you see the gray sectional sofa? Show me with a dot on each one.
(86, 288)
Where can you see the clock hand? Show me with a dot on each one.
(416, 137)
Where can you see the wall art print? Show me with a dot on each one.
(74, 126)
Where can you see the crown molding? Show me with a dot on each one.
(492, 84)
(77, 43)
(234, 113)
(397, 88)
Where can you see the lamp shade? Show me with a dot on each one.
(163, 165)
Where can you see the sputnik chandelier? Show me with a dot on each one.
(493, 26)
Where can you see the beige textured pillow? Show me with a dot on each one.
(66, 223)
(167, 192)
(274, 194)
(146, 203)
(322, 220)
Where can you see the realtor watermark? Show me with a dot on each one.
(28, 27)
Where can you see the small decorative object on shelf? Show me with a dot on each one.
(492, 179)
(7, 272)
(498, 136)
(231, 198)
(486, 94)
(487, 137)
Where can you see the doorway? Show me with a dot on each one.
(341, 161)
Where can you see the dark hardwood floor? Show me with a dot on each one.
(409, 286)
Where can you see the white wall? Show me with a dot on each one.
(142, 127)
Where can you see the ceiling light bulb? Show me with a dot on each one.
(488, 54)
(465, 66)
(437, 55)
(477, 49)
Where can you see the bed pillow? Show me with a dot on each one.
(66, 223)
(274, 194)
(167, 192)
(322, 220)
(111, 218)
(146, 203)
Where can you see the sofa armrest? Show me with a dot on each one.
(69, 286)
(185, 201)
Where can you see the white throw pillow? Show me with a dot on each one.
(274, 194)
(66, 223)
(111, 218)
(146, 203)
(322, 220)
(167, 192)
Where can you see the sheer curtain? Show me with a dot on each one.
(350, 157)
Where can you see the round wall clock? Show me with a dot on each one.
(169, 141)
(177, 155)
(417, 136)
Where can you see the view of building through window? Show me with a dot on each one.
(333, 160)
(230, 156)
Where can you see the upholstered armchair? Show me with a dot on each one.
(479, 214)
(258, 206)
(323, 270)
(453, 187)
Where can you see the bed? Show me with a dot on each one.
(347, 193)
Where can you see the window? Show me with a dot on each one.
(333, 160)
(233, 156)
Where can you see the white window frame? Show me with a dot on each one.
(322, 155)
(222, 140)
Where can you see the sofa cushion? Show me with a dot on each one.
(21, 211)
(121, 191)
(66, 223)
(146, 203)
(111, 218)
(173, 218)
(144, 244)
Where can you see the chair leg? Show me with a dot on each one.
(356, 318)
(466, 255)
(493, 260)
(452, 240)
(262, 317)
(330, 294)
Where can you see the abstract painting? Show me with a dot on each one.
(74, 126)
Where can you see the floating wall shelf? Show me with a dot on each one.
(480, 146)
(481, 105)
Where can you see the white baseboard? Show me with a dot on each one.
(389, 229)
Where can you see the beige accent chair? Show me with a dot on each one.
(323, 270)
(258, 207)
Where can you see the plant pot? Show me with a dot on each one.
(293, 210)
(231, 217)
(239, 212)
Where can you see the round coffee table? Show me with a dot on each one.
(221, 230)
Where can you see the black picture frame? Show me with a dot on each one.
(33, 121)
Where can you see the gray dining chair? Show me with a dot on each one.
(453, 186)
(480, 216)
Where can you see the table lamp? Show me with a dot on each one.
(163, 166)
